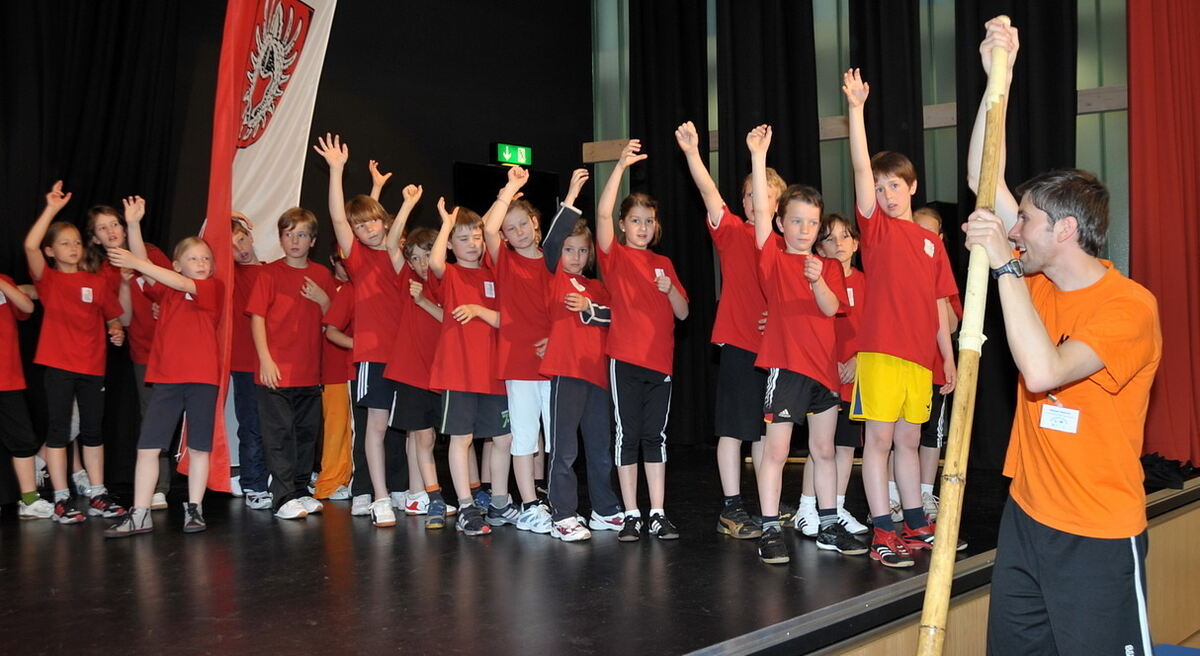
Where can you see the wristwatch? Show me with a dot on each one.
(1014, 267)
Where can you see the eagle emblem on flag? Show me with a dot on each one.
(278, 41)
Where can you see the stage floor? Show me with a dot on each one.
(334, 584)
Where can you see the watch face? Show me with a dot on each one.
(1017, 268)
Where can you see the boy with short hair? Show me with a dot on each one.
(243, 363)
(285, 311)
(901, 337)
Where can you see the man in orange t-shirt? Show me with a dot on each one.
(1070, 566)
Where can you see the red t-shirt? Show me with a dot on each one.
(185, 339)
(845, 324)
(742, 300)
(74, 331)
(643, 324)
(293, 322)
(336, 366)
(243, 357)
(412, 355)
(140, 331)
(377, 302)
(12, 376)
(799, 337)
(939, 374)
(524, 319)
(465, 358)
(908, 271)
(575, 349)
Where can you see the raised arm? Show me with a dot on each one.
(336, 153)
(689, 142)
(123, 259)
(135, 210)
(563, 222)
(55, 201)
(605, 230)
(378, 180)
(494, 218)
(856, 92)
(437, 256)
(999, 35)
(412, 194)
(18, 298)
(758, 141)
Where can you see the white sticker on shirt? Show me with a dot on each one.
(929, 248)
(577, 285)
(86, 294)
(489, 289)
(1064, 420)
(850, 295)
(141, 282)
(659, 273)
(187, 296)
(2, 299)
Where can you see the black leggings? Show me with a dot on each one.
(63, 387)
(642, 400)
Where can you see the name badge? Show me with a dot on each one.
(850, 295)
(188, 296)
(489, 289)
(2, 299)
(659, 273)
(85, 294)
(929, 248)
(1064, 420)
(141, 282)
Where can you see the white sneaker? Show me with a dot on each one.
(81, 482)
(311, 505)
(235, 486)
(40, 509)
(535, 518)
(416, 504)
(930, 504)
(382, 513)
(600, 522)
(397, 499)
(158, 501)
(40, 473)
(342, 493)
(897, 510)
(570, 530)
(807, 520)
(257, 500)
(852, 525)
(360, 505)
(293, 509)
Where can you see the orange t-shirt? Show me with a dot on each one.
(1090, 483)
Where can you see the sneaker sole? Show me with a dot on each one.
(62, 520)
(725, 529)
(106, 515)
(195, 529)
(300, 516)
(484, 531)
(126, 534)
(602, 526)
(532, 529)
(383, 524)
(668, 536)
(846, 552)
(777, 560)
(628, 538)
(32, 517)
(899, 564)
(564, 538)
(435, 525)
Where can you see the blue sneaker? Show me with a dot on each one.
(483, 498)
(435, 515)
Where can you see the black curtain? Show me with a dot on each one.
(885, 42)
(90, 99)
(669, 85)
(1040, 136)
(767, 75)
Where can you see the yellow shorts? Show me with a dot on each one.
(887, 388)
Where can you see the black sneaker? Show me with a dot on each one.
(501, 516)
(771, 547)
(889, 549)
(631, 531)
(662, 528)
(133, 523)
(193, 518)
(470, 521)
(103, 505)
(65, 514)
(835, 537)
(786, 512)
(736, 523)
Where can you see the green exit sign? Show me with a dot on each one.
(512, 154)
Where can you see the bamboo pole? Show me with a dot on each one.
(932, 637)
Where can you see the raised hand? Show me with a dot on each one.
(575, 302)
(377, 179)
(56, 199)
(450, 217)
(517, 177)
(812, 268)
(1000, 34)
(333, 150)
(855, 89)
(579, 177)
(135, 208)
(414, 289)
(758, 140)
(631, 154)
(121, 258)
(687, 138)
(412, 193)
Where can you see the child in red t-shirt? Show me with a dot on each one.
(285, 311)
(80, 305)
(185, 367)
(474, 404)
(16, 430)
(647, 298)
(804, 292)
(337, 436)
(252, 467)
(361, 227)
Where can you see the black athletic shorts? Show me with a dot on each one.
(371, 389)
(935, 431)
(849, 432)
(415, 408)
(170, 400)
(740, 389)
(791, 396)
(472, 413)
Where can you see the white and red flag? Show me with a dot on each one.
(272, 53)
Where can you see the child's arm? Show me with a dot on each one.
(679, 304)
(590, 312)
(465, 313)
(827, 301)
(860, 156)
(948, 311)
(135, 209)
(55, 201)
(377, 179)
(412, 194)
(18, 298)
(338, 337)
(437, 257)
(947, 351)
(494, 218)
(415, 289)
(336, 153)
(689, 142)
(268, 371)
(758, 141)
(605, 230)
(999, 35)
(313, 292)
(563, 222)
(123, 259)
